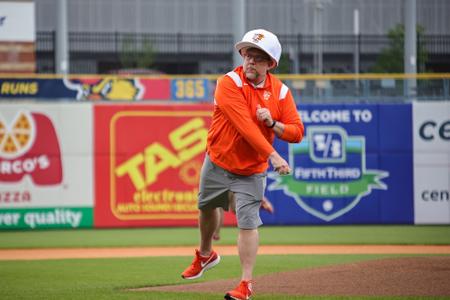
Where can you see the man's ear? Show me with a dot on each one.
(272, 65)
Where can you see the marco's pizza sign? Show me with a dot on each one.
(151, 165)
(29, 147)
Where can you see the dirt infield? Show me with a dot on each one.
(411, 276)
(63, 253)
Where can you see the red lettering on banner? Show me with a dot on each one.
(29, 146)
(15, 197)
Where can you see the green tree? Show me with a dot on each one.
(284, 65)
(136, 55)
(391, 59)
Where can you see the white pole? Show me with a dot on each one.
(318, 43)
(320, 32)
(356, 34)
(239, 28)
(410, 59)
(62, 44)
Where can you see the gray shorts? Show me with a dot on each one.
(215, 183)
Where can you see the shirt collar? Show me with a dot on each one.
(263, 85)
(259, 85)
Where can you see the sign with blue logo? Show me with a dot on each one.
(347, 168)
(190, 89)
(329, 173)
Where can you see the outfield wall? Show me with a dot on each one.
(46, 159)
(431, 127)
(81, 165)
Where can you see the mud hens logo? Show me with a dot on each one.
(258, 37)
(29, 146)
(108, 88)
(330, 176)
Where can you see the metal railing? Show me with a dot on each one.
(121, 41)
(222, 43)
(87, 49)
(361, 88)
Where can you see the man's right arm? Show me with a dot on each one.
(234, 106)
(231, 101)
(279, 164)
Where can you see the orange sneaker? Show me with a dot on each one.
(242, 292)
(200, 264)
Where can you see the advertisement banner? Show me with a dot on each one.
(46, 218)
(357, 164)
(350, 168)
(112, 88)
(17, 22)
(86, 88)
(118, 88)
(17, 88)
(431, 162)
(190, 89)
(45, 165)
(17, 37)
(148, 164)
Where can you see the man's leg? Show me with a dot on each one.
(216, 235)
(247, 193)
(205, 258)
(209, 220)
(248, 242)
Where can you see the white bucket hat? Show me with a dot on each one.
(264, 40)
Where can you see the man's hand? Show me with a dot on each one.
(279, 164)
(263, 115)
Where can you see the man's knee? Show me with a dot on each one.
(246, 223)
(208, 212)
(231, 202)
(248, 216)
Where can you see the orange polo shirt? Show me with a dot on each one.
(237, 141)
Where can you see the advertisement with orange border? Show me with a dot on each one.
(148, 163)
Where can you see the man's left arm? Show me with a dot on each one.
(290, 127)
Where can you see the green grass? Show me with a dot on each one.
(295, 235)
(109, 279)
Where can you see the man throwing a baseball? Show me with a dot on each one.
(251, 107)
